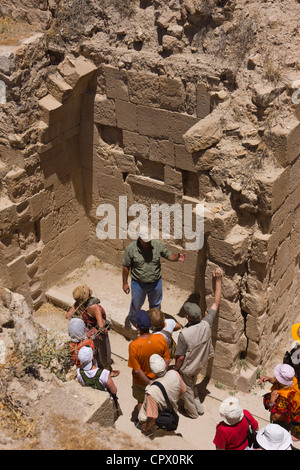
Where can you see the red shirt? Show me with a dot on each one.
(234, 437)
(75, 347)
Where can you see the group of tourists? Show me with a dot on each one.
(158, 385)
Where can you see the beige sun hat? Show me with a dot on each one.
(81, 293)
(231, 411)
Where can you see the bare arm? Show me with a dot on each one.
(125, 274)
(111, 385)
(218, 288)
(70, 311)
(178, 362)
(96, 309)
(178, 257)
(139, 374)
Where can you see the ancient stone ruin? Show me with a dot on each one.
(178, 102)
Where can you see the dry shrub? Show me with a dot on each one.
(14, 421)
(74, 435)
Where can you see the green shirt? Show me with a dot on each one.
(145, 266)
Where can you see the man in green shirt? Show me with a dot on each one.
(142, 259)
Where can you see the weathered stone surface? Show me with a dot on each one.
(284, 140)
(233, 250)
(204, 134)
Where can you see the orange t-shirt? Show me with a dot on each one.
(140, 351)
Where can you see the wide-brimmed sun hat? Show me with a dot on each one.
(81, 293)
(274, 437)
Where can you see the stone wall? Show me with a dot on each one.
(112, 127)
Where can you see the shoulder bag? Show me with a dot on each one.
(167, 419)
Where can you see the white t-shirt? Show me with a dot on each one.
(91, 373)
(169, 327)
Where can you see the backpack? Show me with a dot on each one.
(92, 381)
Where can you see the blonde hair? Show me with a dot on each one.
(157, 318)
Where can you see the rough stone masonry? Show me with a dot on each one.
(85, 123)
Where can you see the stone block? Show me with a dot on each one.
(206, 160)
(124, 162)
(179, 124)
(227, 376)
(284, 140)
(126, 115)
(183, 159)
(58, 87)
(77, 72)
(7, 62)
(172, 177)
(153, 122)
(171, 93)
(222, 223)
(40, 204)
(162, 151)
(50, 255)
(70, 213)
(247, 378)
(230, 284)
(229, 331)
(286, 280)
(254, 304)
(143, 88)
(116, 83)
(203, 100)
(254, 352)
(205, 133)
(230, 310)
(255, 326)
(90, 406)
(136, 144)
(274, 188)
(8, 216)
(60, 129)
(227, 354)
(261, 248)
(50, 107)
(104, 111)
(16, 270)
(233, 250)
(50, 227)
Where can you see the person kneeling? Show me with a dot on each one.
(154, 399)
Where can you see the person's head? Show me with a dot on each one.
(143, 321)
(86, 357)
(157, 318)
(144, 237)
(284, 374)
(81, 294)
(77, 330)
(192, 311)
(231, 411)
(274, 437)
(157, 365)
